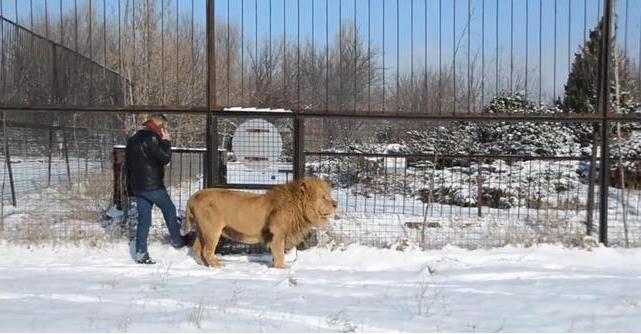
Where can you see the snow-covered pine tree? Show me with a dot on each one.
(497, 138)
(581, 87)
(523, 138)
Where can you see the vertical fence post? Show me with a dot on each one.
(50, 153)
(603, 103)
(479, 190)
(119, 186)
(299, 147)
(211, 154)
(211, 54)
(3, 73)
(7, 157)
(207, 160)
(591, 179)
(213, 170)
(54, 75)
(53, 98)
(66, 153)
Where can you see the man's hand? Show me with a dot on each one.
(165, 135)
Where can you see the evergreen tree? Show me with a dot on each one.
(523, 138)
(581, 87)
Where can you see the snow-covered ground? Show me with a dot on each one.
(537, 289)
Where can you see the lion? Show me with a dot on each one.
(280, 218)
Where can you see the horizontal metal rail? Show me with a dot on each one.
(447, 156)
(371, 115)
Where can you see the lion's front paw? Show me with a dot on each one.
(217, 264)
(214, 264)
(280, 265)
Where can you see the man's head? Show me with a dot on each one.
(159, 119)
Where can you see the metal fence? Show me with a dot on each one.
(475, 123)
(36, 70)
(61, 175)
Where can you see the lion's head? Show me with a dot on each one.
(319, 204)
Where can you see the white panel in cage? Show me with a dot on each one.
(395, 165)
(257, 144)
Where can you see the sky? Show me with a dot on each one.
(411, 33)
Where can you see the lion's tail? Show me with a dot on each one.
(189, 217)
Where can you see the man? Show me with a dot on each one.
(148, 151)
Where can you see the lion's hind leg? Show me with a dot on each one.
(197, 248)
(209, 240)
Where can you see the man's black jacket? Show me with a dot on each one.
(146, 157)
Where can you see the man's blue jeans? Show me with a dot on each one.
(145, 201)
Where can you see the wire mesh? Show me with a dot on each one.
(447, 184)
(39, 71)
(496, 71)
(61, 175)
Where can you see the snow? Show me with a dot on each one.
(330, 289)
(32, 174)
(252, 109)
(241, 173)
(174, 148)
